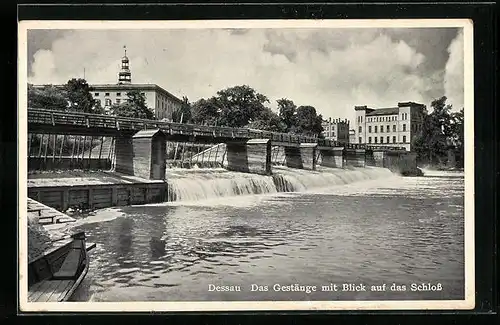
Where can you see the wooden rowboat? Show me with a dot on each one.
(56, 275)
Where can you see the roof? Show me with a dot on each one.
(147, 133)
(124, 87)
(384, 111)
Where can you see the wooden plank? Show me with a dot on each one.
(70, 265)
(65, 290)
(53, 290)
(44, 291)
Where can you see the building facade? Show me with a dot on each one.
(160, 101)
(336, 130)
(393, 126)
(352, 136)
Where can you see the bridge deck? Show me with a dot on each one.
(62, 122)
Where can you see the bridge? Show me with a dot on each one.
(140, 143)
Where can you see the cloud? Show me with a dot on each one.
(454, 73)
(332, 69)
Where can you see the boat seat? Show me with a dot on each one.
(70, 265)
(49, 290)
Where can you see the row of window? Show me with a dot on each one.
(415, 127)
(107, 101)
(404, 116)
(388, 139)
(382, 118)
(117, 94)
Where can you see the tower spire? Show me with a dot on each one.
(125, 76)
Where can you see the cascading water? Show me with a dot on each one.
(199, 184)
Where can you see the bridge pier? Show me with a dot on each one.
(302, 156)
(251, 156)
(354, 157)
(332, 157)
(142, 155)
(375, 157)
(124, 152)
(403, 162)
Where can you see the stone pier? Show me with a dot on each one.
(331, 157)
(375, 157)
(302, 156)
(142, 155)
(251, 156)
(354, 157)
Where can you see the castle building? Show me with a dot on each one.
(160, 101)
(393, 126)
(336, 130)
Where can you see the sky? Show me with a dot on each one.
(332, 69)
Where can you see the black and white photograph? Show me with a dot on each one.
(246, 165)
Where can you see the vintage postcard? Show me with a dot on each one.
(246, 165)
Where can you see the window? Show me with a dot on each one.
(96, 94)
(369, 139)
(388, 129)
(107, 102)
(394, 128)
(106, 94)
(98, 102)
(381, 139)
(370, 129)
(404, 127)
(375, 129)
(360, 129)
(394, 139)
(361, 119)
(381, 129)
(388, 139)
(118, 100)
(376, 139)
(118, 94)
(360, 140)
(404, 138)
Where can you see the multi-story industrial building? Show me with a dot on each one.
(337, 130)
(393, 126)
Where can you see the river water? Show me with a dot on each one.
(366, 227)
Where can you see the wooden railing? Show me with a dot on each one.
(88, 120)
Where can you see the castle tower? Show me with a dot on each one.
(125, 76)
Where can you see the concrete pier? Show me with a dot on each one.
(141, 155)
(331, 157)
(354, 157)
(251, 156)
(302, 156)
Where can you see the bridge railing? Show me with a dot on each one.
(89, 120)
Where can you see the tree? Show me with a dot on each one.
(438, 133)
(239, 105)
(205, 111)
(308, 122)
(457, 134)
(47, 97)
(287, 110)
(183, 113)
(135, 106)
(79, 96)
(269, 121)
